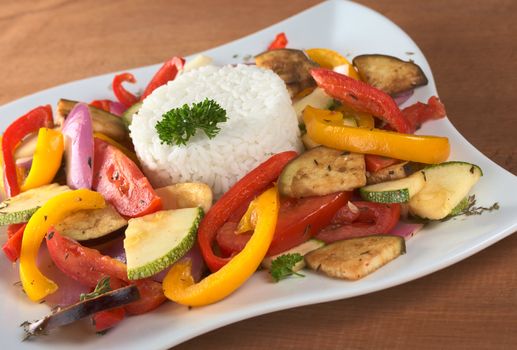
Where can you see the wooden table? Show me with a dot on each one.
(472, 50)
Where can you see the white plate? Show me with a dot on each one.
(351, 29)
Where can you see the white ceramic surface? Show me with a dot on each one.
(343, 26)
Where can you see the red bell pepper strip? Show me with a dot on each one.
(124, 96)
(375, 163)
(105, 320)
(88, 266)
(166, 73)
(13, 228)
(373, 219)
(280, 42)
(101, 104)
(361, 97)
(298, 220)
(246, 188)
(419, 112)
(39, 117)
(13, 246)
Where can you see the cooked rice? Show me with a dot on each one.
(261, 122)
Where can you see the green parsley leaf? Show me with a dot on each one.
(179, 124)
(103, 286)
(282, 267)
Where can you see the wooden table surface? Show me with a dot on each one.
(472, 50)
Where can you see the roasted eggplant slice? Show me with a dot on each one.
(354, 258)
(103, 122)
(392, 172)
(118, 297)
(293, 66)
(321, 171)
(389, 74)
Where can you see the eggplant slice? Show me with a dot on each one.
(389, 74)
(293, 66)
(116, 298)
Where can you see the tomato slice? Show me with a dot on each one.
(88, 266)
(375, 163)
(419, 113)
(121, 183)
(373, 218)
(298, 220)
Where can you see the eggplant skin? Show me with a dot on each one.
(293, 66)
(389, 74)
(110, 300)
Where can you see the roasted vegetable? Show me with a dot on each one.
(321, 171)
(82, 309)
(103, 122)
(352, 259)
(84, 225)
(389, 74)
(447, 184)
(392, 172)
(291, 65)
(21, 207)
(186, 195)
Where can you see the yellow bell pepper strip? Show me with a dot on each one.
(364, 120)
(46, 160)
(179, 286)
(130, 154)
(35, 284)
(423, 149)
(330, 59)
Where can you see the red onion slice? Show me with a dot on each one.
(406, 229)
(117, 108)
(78, 134)
(69, 289)
(198, 265)
(403, 97)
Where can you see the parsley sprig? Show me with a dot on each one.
(282, 267)
(179, 124)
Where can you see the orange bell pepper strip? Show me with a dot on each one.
(423, 149)
(179, 286)
(35, 284)
(330, 59)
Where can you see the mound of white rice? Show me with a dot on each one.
(261, 122)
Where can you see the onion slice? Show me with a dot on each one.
(403, 97)
(117, 108)
(78, 134)
(406, 229)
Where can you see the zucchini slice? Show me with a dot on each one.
(389, 74)
(317, 99)
(352, 259)
(155, 241)
(21, 207)
(127, 116)
(395, 191)
(447, 184)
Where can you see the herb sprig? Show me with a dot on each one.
(282, 267)
(103, 286)
(179, 124)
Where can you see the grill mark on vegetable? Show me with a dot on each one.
(316, 162)
(90, 162)
(50, 235)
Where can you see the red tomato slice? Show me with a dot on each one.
(298, 220)
(375, 163)
(419, 113)
(121, 183)
(373, 219)
(88, 266)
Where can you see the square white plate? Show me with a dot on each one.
(350, 29)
